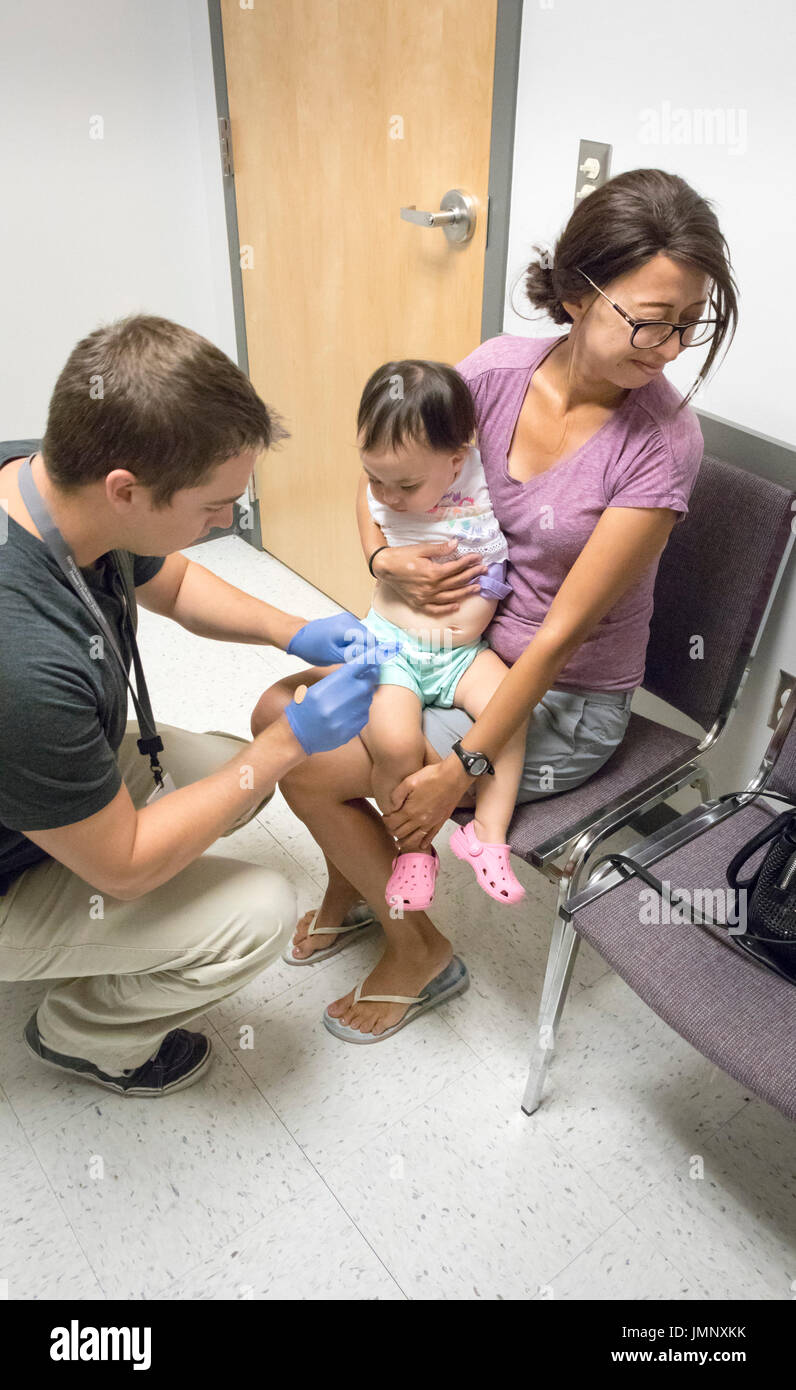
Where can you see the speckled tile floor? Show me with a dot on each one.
(302, 1168)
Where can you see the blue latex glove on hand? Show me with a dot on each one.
(335, 708)
(326, 641)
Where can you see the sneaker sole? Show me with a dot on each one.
(91, 1073)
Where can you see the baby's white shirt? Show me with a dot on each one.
(464, 514)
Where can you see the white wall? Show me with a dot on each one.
(94, 229)
(591, 71)
(597, 72)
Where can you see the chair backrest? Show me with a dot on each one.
(714, 580)
(782, 750)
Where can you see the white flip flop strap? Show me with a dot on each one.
(331, 931)
(385, 998)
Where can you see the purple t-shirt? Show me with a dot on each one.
(645, 455)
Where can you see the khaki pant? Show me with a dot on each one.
(129, 972)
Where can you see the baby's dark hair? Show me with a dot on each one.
(415, 402)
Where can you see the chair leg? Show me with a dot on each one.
(564, 889)
(568, 885)
(560, 964)
(702, 781)
(563, 951)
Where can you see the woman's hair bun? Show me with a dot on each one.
(540, 287)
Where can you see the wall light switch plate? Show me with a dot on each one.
(594, 168)
(784, 687)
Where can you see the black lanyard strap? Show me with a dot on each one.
(150, 743)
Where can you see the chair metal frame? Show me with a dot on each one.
(671, 837)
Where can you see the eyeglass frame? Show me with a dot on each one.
(645, 323)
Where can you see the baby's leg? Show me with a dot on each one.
(394, 739)
(495, 796)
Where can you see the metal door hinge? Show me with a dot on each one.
(225, 141)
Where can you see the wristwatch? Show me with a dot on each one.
(474, 763)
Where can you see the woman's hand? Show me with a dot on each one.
(424, 583)
(424, 801)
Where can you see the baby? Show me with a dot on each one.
(425, 483)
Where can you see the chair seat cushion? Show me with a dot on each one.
(646, 748)
(732, 1009)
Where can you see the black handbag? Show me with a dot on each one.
(770, 896)
(769, 930)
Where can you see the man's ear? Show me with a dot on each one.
(119, 484)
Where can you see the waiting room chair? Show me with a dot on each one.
(716, 581)
(731, 1008)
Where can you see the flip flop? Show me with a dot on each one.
(355, 924)
(454, 979)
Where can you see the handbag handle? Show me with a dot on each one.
(640, 871)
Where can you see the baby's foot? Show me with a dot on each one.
(410, 887)
(490, 863)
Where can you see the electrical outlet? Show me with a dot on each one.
(594, 168)
(784, 687)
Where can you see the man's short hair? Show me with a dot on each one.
(156, 398)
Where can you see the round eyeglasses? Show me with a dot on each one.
(652, 333)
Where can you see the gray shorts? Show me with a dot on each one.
(570, 735)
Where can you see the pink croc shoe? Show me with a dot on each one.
(490, 864)
(412, 881)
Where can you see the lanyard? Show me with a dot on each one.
(150, 743)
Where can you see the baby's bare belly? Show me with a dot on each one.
(465, 625)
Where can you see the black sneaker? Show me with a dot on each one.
(180, 1061)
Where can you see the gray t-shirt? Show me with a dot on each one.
(63, 711)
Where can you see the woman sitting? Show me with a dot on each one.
(590, 455)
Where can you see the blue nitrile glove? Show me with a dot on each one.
(325, 641)
(335, 708)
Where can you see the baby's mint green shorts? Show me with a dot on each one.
(432, 675)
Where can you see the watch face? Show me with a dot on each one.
(477, 766)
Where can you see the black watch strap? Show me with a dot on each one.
(472, 762)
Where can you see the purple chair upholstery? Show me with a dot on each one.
(538, 828)
(721, 1000)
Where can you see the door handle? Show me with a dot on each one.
(457, 215)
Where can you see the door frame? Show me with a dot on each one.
(501, 157)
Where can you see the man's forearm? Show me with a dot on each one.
(210, 607)
(175, 829)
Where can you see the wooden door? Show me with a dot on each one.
(341, 113)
